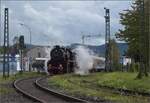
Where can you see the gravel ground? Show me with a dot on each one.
(44, 83)
(13, 96)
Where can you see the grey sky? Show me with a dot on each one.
(61, 22)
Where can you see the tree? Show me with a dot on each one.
(16, 40)
(1, 50)
(15, 46)
(137, 40)
(115, 55)
(130, 19)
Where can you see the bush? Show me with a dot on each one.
(117, 67)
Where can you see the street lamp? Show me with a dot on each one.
(30, 42)
(28, 29)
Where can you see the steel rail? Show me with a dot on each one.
(58, 94)
(39, 87)
(24, 92)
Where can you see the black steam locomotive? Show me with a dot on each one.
(62, 60)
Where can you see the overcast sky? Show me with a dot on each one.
(61, 22)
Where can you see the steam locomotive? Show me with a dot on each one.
(62, 60)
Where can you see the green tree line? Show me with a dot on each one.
(138, 41)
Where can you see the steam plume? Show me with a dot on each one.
(84, 60)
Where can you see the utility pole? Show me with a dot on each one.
(6, 44)
(83, 36)
(21, 46)
(107, 41)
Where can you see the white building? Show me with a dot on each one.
(126, 60)
(36, 52)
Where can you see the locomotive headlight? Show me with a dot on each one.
(49, 66)
(60, 66)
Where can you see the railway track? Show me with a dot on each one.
(32, 88)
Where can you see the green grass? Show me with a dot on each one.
(91, 85)
(125, 81)
(18, 76)
(4, 81)
(5, 90)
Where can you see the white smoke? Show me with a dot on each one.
(84, 60)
